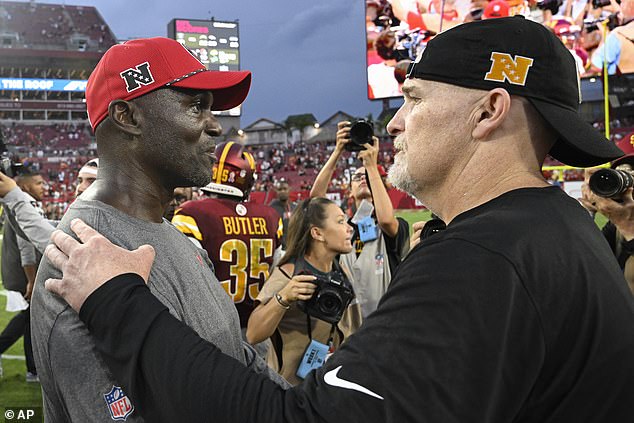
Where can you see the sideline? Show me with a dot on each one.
(8, 356)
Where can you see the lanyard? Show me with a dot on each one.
(309, 330)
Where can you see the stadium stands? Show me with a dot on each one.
(53, 27)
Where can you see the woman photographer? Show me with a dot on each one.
(318, 232)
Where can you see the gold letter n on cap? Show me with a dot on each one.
(504, 67)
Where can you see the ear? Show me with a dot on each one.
(491, 112)
(125, 116)
(316, 234)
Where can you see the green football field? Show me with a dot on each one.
(15, 392)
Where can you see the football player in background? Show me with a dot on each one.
(241, 238)
(86, 176)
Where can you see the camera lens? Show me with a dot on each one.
(610, 183)
(330, 303)
(361, 132)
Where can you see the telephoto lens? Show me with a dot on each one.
(361, 132)
(610, 183)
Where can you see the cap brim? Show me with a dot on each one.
(230, 88)
(579, 144)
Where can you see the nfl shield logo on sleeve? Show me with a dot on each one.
(119, 404)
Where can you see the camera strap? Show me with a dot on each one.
(309, 331)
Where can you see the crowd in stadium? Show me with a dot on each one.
(59, 150)
(398, 30)
(54, 24)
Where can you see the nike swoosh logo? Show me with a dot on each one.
(332, 379)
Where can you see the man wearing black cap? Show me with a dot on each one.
(150, 103)
(483, 322)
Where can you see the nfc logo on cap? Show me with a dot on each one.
(135, 77)
(506, 68)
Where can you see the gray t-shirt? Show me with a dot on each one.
(76, 384)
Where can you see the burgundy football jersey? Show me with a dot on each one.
(240, 239)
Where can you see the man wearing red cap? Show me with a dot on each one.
(496, 9)
(150, 104)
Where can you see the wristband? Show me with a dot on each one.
(281, 302)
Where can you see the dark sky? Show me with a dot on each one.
(306, 56)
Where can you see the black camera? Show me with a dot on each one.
(597, 4)
(552, 5)
(611, 183)
(7, 166)
(330, 299)
(361, 132)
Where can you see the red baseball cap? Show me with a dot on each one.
(496, 9)
(137, 67)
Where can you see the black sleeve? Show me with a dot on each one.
(396, 245)
(169, 372)
(622, 251)
(609, 233)
(456, 338)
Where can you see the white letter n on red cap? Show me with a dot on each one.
(135, 77)
(504, 67)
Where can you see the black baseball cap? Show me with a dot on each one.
(527, 60)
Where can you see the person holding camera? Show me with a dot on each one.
(610, 193)
(381, 241)
(306, 306)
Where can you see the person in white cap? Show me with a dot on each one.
(86, 176)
